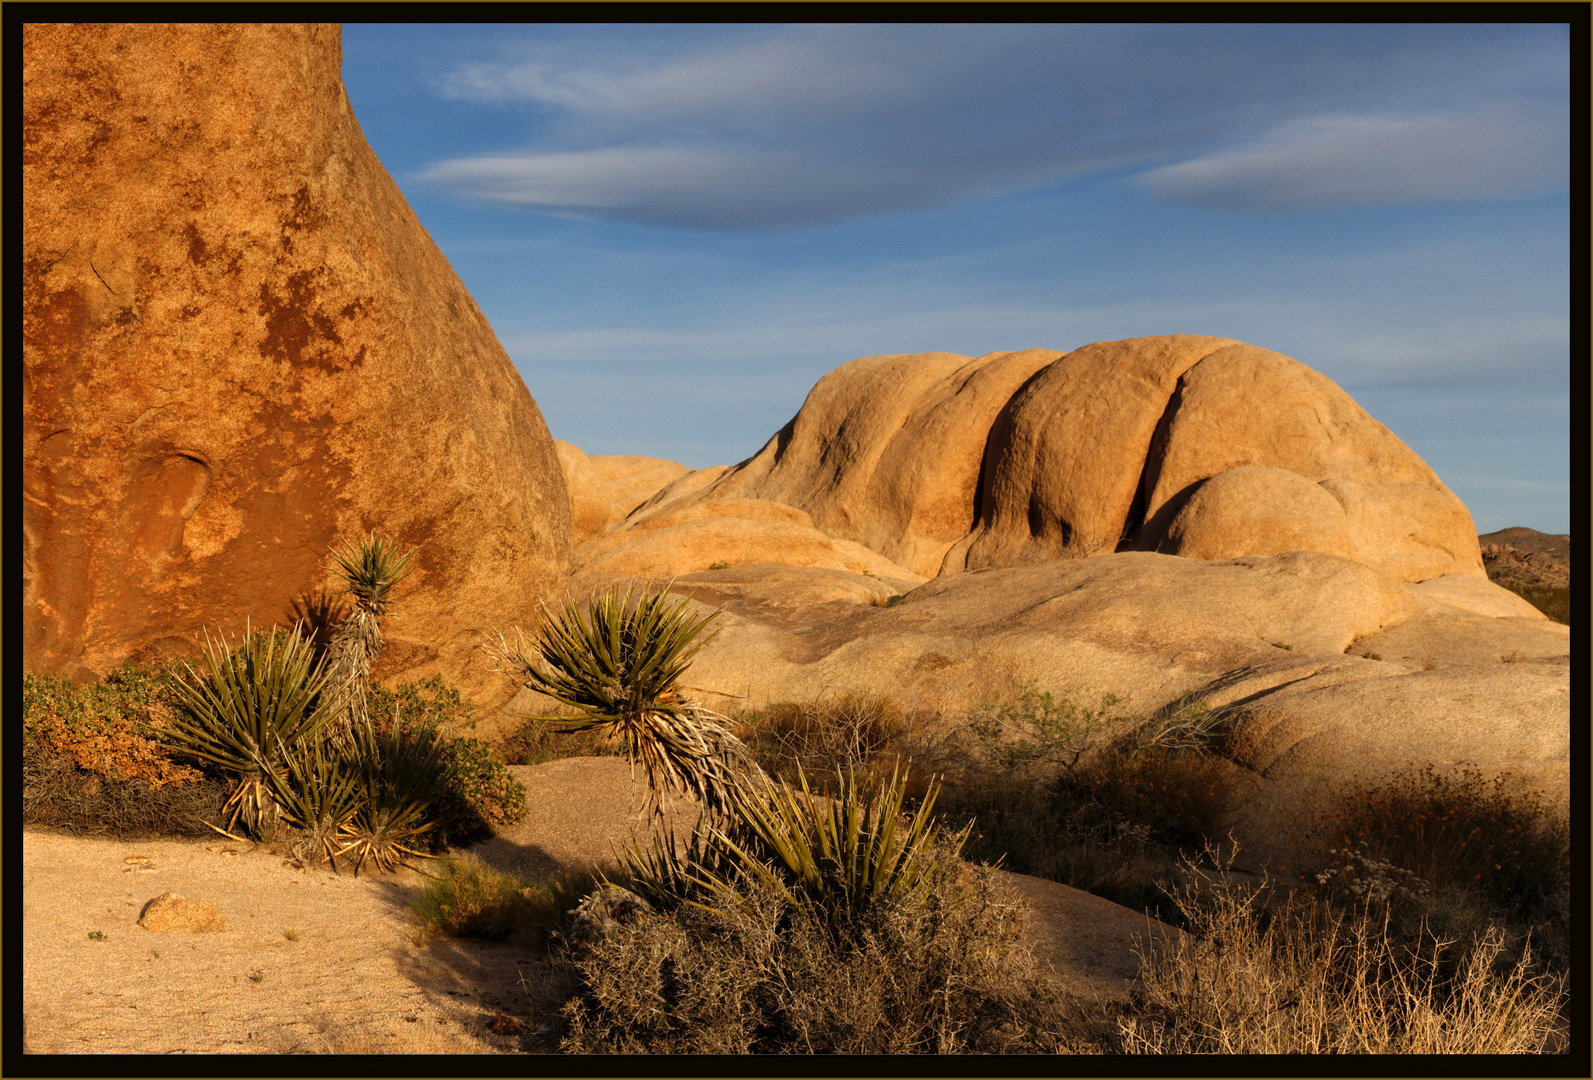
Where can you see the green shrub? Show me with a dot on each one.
(110, 729)
(431, 702)
(469, 899)
(1038, 734)
(477, 779)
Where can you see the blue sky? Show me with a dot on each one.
(676, 230)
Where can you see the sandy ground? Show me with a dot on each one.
(308, 962)
(311, 962)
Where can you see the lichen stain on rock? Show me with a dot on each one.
(305, 218)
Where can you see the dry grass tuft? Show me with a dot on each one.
(1298, 976)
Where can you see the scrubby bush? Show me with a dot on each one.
(1457, 830)
(1268, 973)
(110, 728)
(467, 898)
(936, 970)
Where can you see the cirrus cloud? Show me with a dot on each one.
(790, 126)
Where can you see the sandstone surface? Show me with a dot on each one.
(886, 451)
(239, 345)
(1242, 405)
(686, 539)
(1067, 455)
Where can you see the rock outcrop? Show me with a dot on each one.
(239, 345)
(886, 452)
(1185, 445)
(605, 488)
(1339, 673)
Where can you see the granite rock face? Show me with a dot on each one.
(1186, 445)
(241, 345)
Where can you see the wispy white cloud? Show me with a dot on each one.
(786, 126)
(1373, 160)
(700, 188)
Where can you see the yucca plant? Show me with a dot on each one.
(402, 776)
(319, 797)
(620, 663)
(254, 705)
(839, 856)
(843, 854)
(369, 568)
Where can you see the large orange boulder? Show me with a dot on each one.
(1197, 446)
(1067, 454)
(239, 345)
(1244, 406)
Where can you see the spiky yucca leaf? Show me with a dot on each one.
(371, 567)
(318, 797)
(618, 663)
(844, 854)
(839, 856)
(254, 701)
(402, 782)
(667, 873)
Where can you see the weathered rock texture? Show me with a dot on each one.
(886, 451)
(717, 533)
(1340, 673)
(1196, 446)
(170, 911)
(240, 345)
(604, 488)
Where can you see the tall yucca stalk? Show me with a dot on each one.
(254, 705)
(369, 567)
(619, 663)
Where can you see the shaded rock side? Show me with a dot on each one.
(240, 345)
(1063, 473)
(605, 488)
